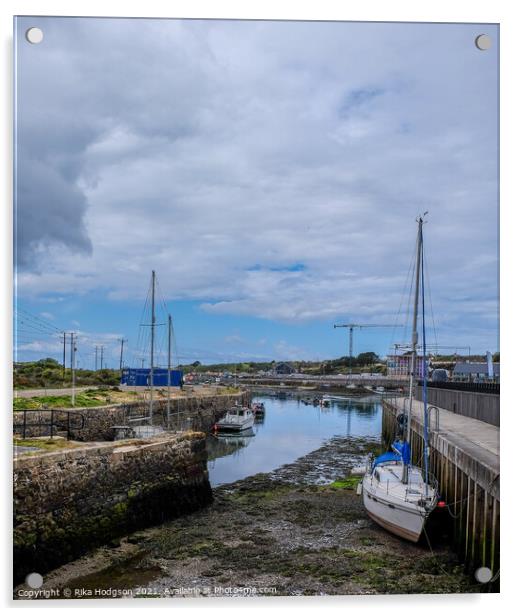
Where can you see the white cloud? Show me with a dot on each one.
(233, 339)
(224, 154)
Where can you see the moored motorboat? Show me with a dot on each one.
(236, 419)
(258, 408)
(331, 398)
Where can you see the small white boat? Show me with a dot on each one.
(401, 508)
(236, 419)
(258, 407)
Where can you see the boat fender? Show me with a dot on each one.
(401, 419)
(441, 504)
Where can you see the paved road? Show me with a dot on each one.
(31, 393)
(479, 439)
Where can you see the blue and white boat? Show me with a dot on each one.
(398, 495)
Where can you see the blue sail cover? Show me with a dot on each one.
(403, 449)
(389, 456)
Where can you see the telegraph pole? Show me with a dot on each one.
(96, 359)
(101, 359)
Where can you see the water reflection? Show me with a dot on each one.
(289, 429)
(221, 445)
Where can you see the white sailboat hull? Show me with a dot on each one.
(400, 508)
(401, 522)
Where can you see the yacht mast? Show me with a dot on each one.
(424, 387)
(169, 368)
(153, 325)
(414, 338)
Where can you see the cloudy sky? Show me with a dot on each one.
(271, 174)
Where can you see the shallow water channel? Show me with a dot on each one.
(289, 429)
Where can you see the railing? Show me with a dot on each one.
(484, 388)
(460, 399)
(53, 420)
(437, 410)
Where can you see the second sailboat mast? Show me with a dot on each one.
(153, 326)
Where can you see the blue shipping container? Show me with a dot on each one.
(140, 377)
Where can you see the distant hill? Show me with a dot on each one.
(363, 362)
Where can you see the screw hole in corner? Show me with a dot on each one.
(34, 580)
(483, 42)
(34, 36)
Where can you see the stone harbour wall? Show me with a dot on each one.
(66, 503)
(96, 423)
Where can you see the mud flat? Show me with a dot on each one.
(299, 530)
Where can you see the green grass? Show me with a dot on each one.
(45, 444)
(230, 390)
(84, 399)
(348, 483)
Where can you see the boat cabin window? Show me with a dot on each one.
(241, 413)
(377, 475)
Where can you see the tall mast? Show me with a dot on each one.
(169, 368)
(121, 356)
(153, 325)
(424, 388)
(414, 338)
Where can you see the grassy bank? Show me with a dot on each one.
(45, 445)
(85, 399)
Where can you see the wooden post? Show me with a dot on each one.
(463, 520)
(494, 543)
(456, 508)
(468, 520)
(473, 533)
(484, 533)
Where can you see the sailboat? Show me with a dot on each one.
(398, 495)
(153, 325)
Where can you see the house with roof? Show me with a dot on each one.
(400, 365)
(284, 368)
(475, 372)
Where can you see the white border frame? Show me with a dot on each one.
(477, 11)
